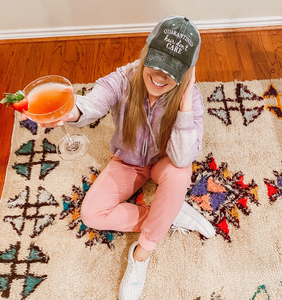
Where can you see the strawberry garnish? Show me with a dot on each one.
(18, 101)
(20, 105)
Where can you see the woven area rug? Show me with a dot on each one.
(46, 252)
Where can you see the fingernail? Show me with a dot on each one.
(70, 116)
(60, 123)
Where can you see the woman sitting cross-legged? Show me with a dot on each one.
(158, 115)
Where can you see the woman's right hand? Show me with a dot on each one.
(73, 116)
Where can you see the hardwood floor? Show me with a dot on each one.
(242, 54)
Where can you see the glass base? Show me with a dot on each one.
(76, 150)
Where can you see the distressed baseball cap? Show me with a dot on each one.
(174, 46)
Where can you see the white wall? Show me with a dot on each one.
(28, 15)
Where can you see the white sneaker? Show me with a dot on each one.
(190, 219)
(132, 284)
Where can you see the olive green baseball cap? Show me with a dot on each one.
(174, 46)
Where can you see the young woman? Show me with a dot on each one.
(158, 115)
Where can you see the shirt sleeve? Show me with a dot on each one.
(185, 141)
(106, 93)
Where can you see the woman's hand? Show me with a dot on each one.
(186, 102)
(73, 116)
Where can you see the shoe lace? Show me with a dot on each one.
(135, 273)
(181, 230)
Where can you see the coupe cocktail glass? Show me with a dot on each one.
(49, 99)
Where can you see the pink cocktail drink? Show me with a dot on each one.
(49, 99)
(49, 102)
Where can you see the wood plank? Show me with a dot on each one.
(227, 54)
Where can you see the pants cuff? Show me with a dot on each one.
(146, 244)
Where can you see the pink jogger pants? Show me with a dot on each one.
(104, 206)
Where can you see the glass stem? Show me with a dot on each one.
(71, 144)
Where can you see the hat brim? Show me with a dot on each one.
(168, 64)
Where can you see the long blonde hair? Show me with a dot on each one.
(135, 115)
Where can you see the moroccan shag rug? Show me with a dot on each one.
(46, 252)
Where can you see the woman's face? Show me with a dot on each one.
(157, 82)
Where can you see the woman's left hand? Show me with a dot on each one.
(186, 102)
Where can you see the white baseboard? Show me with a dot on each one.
(133, 28)
(239, 23)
